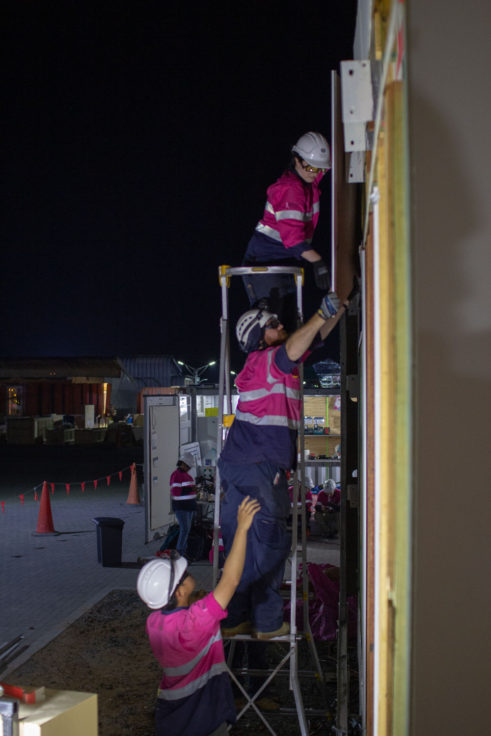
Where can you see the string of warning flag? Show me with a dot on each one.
(67, 485)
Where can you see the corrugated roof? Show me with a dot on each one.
(151, 370)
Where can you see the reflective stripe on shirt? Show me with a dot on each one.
(261, 393)
(271, 420)
(195, 685)
(294, 215)
(269, 231)
(274, 234)
(184, 669)
(182, 497)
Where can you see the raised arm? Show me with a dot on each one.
(322, 322)
(234, 564)
(301, 340)
(330, 324)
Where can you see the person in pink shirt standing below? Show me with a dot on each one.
(195, 697)
(183, 494)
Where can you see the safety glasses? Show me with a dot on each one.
(273, 324)
(311, 169)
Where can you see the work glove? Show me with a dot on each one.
(329, 306)
(321, 275)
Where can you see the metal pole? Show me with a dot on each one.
(362, 679)
(342, 648)
(221, 388)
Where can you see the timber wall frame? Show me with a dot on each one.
(426, 308)
(386, 477)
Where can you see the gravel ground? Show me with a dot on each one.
(106, 651)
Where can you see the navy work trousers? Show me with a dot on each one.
(279, 290)
(185, 521)
(257, 597)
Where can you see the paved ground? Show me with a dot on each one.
(47, 581)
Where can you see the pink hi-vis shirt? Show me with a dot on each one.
(268, 413)
(268, 395)
(187, 642)
(182, 486)
(291, 211)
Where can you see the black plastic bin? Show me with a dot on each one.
(109, 540)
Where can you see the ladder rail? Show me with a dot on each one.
(221, 389)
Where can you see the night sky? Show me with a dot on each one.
(138, 140)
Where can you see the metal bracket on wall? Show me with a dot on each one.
(356, 167)
(357, 111)
(356, 103)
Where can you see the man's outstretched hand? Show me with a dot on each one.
(246, 512)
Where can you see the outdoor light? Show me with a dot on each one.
(196, 373)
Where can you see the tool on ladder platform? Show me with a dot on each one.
(298, 547)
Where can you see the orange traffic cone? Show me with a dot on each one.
(45, 519)
(133, 495)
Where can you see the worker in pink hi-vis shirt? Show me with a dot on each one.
(283, 236)
(261, 447)
(195, 695)
(183, 494)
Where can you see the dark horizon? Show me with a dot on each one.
(138, 146)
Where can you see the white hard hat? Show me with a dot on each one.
(158, 579)
(314, 149)
(330, 485)
(187, 458)
(249, 329)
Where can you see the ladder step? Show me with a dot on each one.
(286, 594)
(249, 637)
(303, 674)
(298, 550)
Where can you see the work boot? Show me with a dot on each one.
(269, 705)
(245, 627)
(282, 631)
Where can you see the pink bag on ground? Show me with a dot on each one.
(324, 605)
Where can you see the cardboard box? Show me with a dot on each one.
(62, 713)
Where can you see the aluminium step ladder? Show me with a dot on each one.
(298, 547)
